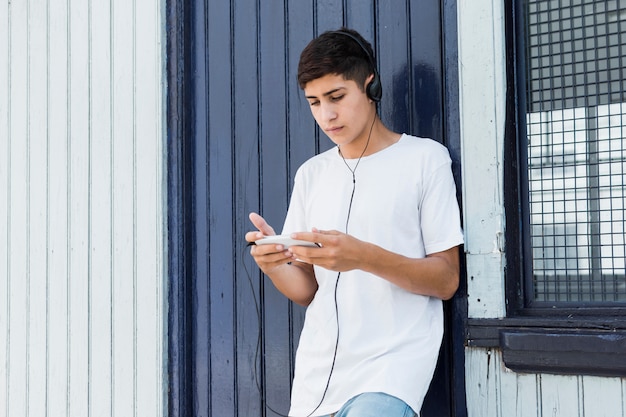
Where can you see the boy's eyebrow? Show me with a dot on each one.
(328, 93)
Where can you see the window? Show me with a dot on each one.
(565, 190)
(575, 117)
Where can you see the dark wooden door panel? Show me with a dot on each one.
(240, 128)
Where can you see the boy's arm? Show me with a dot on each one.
(436, 275)
(296, 280)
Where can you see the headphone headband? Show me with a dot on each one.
(374, 89)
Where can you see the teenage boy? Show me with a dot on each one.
(382, 207)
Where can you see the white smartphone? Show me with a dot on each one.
(284, 240)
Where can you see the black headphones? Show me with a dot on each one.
(374, 89)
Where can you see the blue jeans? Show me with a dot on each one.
(374, 404)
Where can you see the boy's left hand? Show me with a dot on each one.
(339, 251)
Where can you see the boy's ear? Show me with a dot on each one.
(373, 88)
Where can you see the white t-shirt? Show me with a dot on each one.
(389, 339)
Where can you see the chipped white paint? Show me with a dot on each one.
(493, 390)
(82, 276)
(482, 111)
(485, 284)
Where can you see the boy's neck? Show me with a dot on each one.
(381, 138)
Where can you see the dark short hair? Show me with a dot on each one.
(335, 53)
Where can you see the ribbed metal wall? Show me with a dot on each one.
(250, 128)
(81, 208)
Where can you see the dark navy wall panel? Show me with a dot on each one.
(245, 129)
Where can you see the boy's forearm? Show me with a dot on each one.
(436, 275)
(295, 281)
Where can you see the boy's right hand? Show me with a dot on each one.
(260, 223)
(267, 257)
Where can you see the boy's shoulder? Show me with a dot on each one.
(422, 143)
(420, 150)
(323, 157)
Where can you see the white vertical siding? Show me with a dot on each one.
(58, 213)
(492, 390)
(82, 278)
(4, 206)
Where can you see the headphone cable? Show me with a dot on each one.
(353, 172)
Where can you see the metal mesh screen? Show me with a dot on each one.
(576, 127)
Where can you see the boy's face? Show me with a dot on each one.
(342, 110)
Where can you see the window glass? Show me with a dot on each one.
(576, 129)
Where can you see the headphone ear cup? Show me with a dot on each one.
(374, 89)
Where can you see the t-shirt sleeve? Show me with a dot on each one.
(440, 215)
